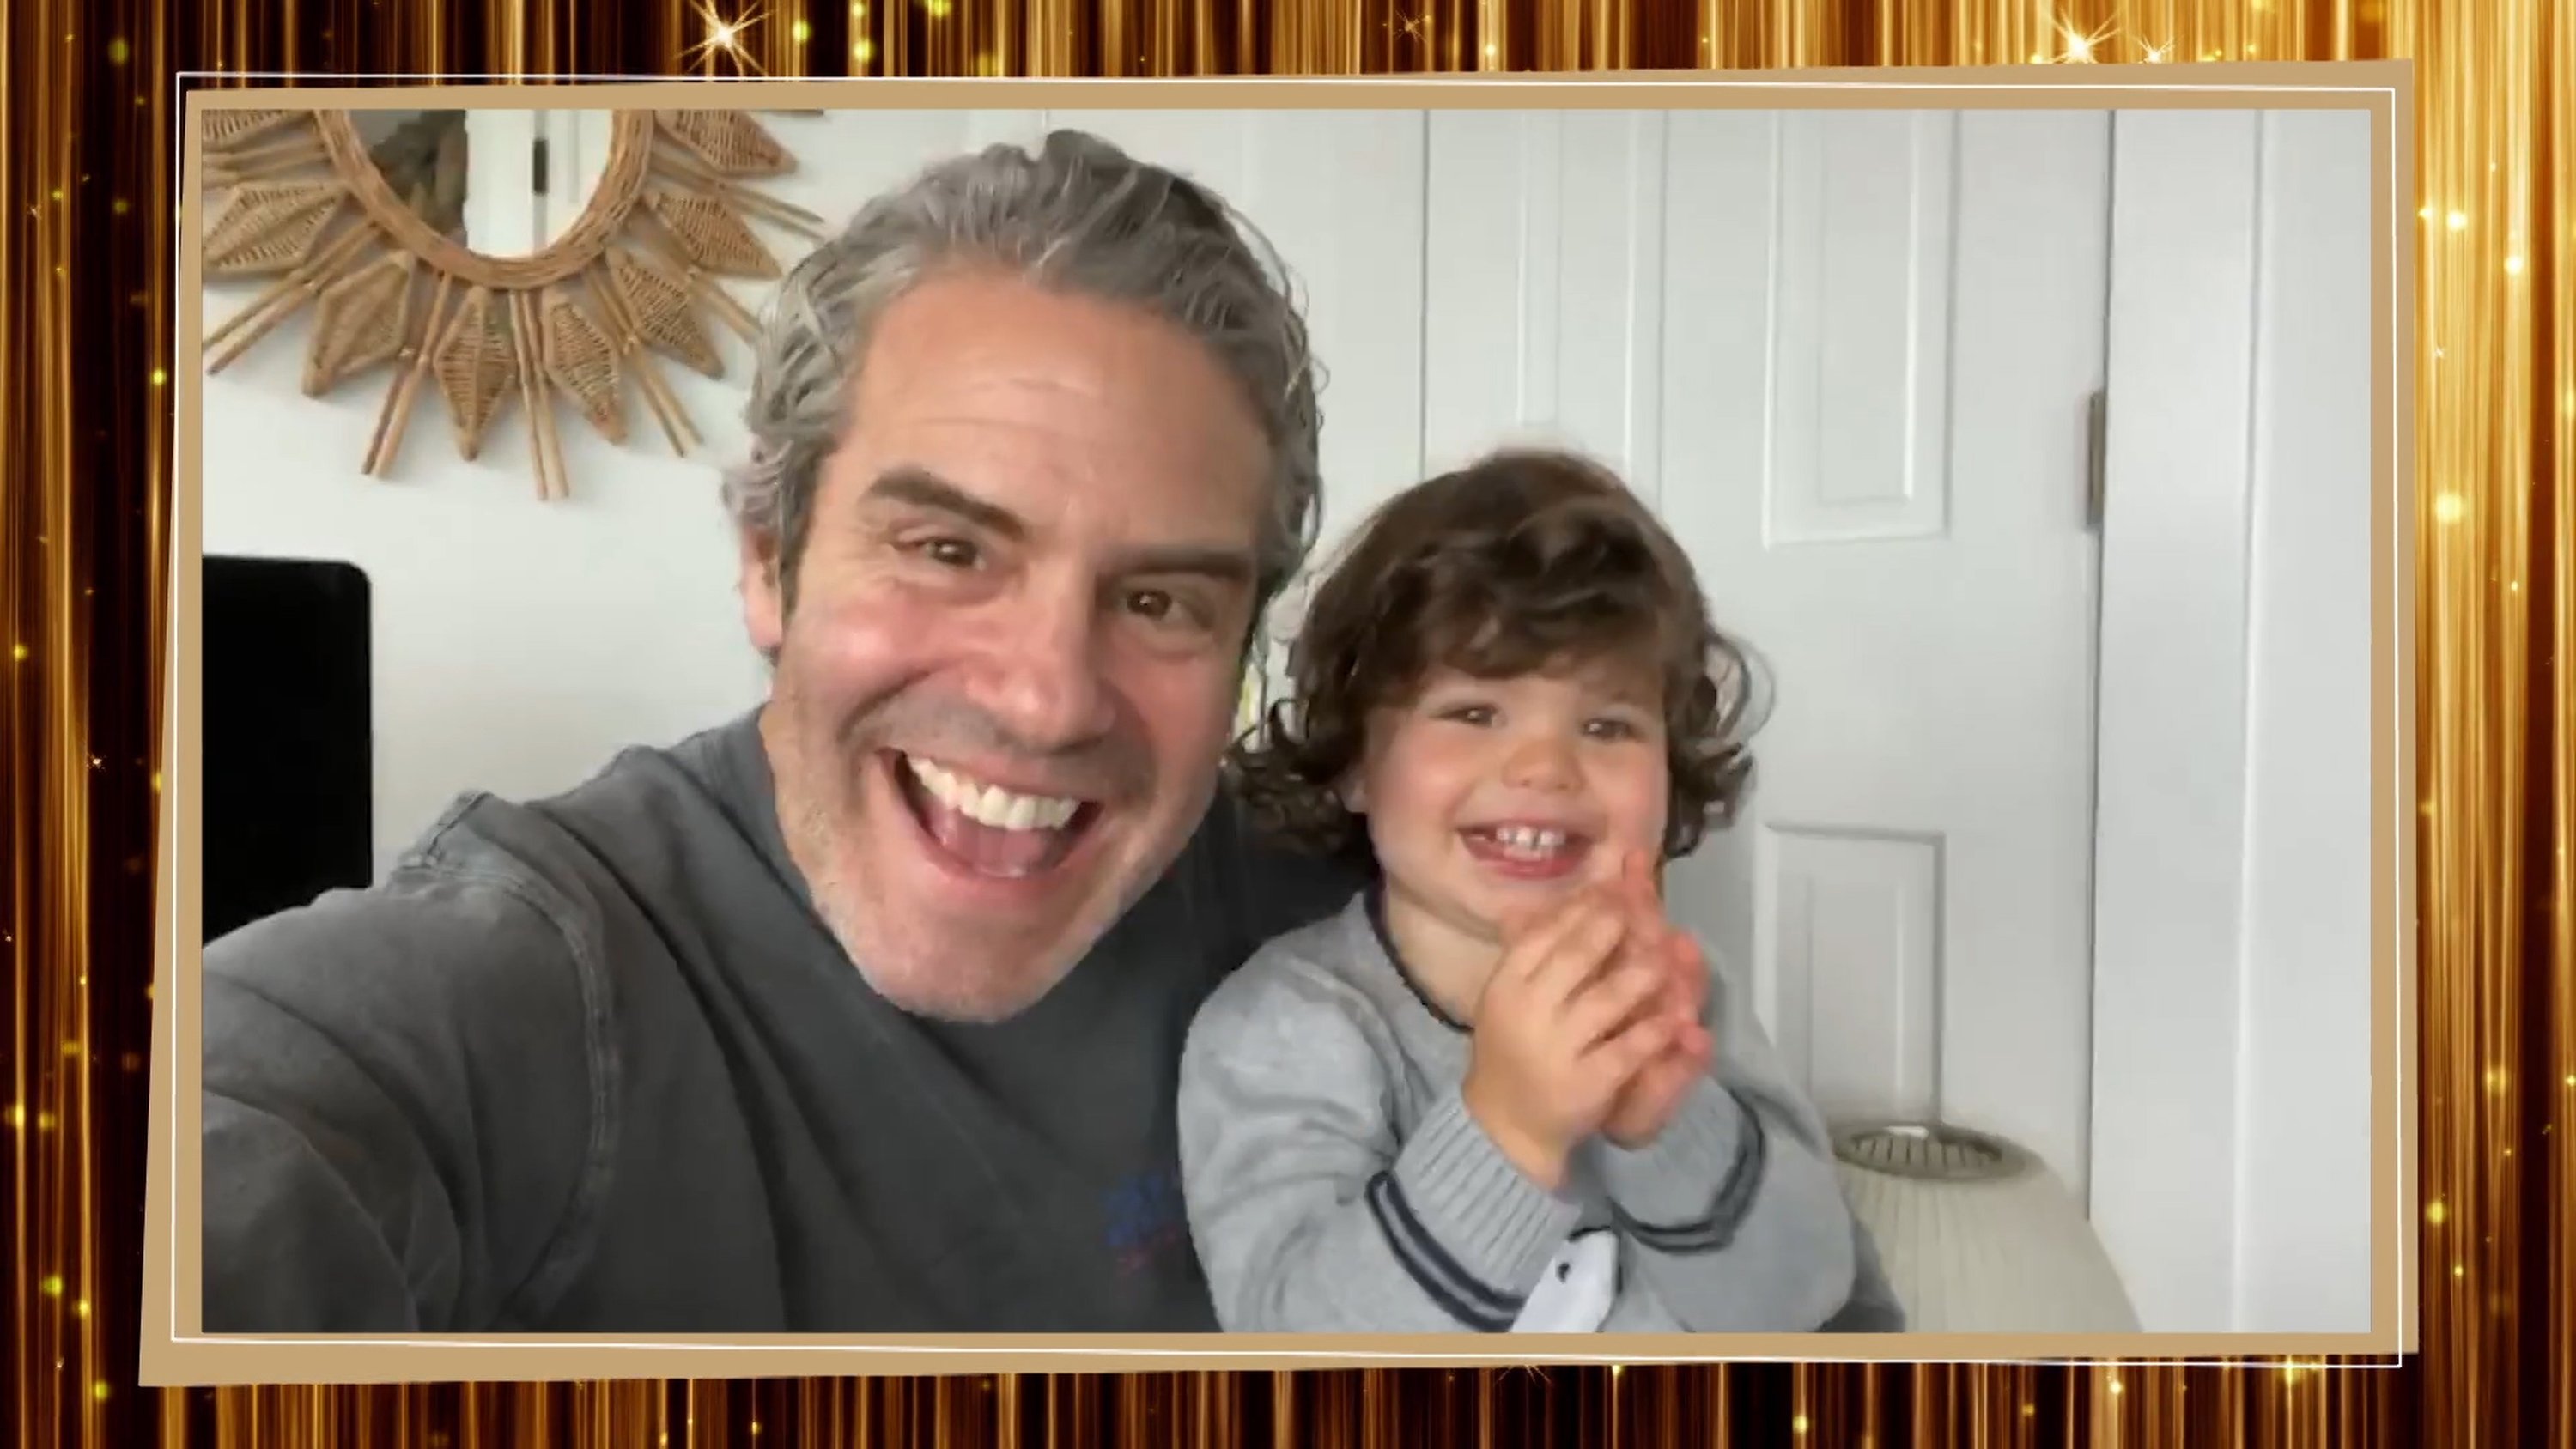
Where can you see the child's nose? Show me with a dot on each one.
(1540, 761)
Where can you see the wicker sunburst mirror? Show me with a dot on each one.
(368, 237)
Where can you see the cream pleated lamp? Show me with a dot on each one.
(1977, 1235)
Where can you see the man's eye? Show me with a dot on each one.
(1173, 610)
(955, 553)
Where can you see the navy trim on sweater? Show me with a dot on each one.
(1459, 1292)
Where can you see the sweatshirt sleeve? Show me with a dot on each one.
(398, 1110)
(1737, 1209)
(1308, 1214)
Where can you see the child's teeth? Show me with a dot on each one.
(1529, 840)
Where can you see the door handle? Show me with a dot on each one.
(2097, 410)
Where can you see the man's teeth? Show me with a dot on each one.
(991, 804)
(1529, 840)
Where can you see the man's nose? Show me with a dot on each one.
(1042, 680)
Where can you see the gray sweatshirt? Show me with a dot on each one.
(1336, 1183)
(592, 1064)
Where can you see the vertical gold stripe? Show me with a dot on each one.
(31, 1245)
(2552, 577)
(2554, 269)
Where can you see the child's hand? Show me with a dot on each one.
(1647, 1103)
(1560, 1030)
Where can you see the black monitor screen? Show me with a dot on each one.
(288, 756)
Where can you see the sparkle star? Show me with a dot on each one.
(2078, 46)
(724, 36)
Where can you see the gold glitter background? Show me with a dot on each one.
(87, 162)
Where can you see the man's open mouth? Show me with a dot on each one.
(986, 828)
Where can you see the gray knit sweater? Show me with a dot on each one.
(1336, 1183)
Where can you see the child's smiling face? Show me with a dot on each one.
(1485, 797)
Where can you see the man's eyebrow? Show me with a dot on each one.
(924, 489)
(1213, 561)
(921, 488)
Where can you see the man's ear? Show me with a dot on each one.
(764, 594)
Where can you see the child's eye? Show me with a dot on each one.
(1478, 715)
(1613, 729)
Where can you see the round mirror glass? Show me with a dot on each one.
(503, 183)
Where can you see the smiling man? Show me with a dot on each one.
(1011, 645)
(862, 1012)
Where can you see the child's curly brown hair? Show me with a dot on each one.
(1523, 561)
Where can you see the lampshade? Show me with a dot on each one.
(1977, 1235)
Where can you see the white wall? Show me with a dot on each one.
(2232, 951)
(2303, 1157)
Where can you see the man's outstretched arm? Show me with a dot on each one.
(400, 1107)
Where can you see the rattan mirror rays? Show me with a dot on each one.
(294, 195)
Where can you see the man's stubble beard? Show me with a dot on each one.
(974, 987)
(982, 983)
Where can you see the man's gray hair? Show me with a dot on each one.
(1078, 215)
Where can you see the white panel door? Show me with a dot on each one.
(1545, 285)
(1849, 356)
